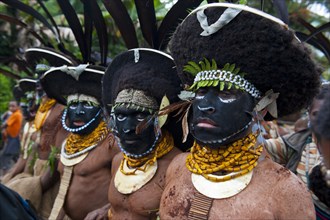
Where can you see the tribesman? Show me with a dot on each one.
(86, 154)
(47, 138)
(136, 85)
(237, 62)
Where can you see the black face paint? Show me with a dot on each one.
(126, 121)
(220, 117)
(31, 106)
(80, 113)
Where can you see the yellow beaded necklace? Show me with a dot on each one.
(76, 143)
(164, 146)
(238, 159)
(43, 112)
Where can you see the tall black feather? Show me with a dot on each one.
(21, 63)
(282, 10)
(173, 17)
(125, 25)
(88, 25)
(314, 42)
(50, 17)
(9, 74)
(74, 23)
(146, 13)
(101, 30)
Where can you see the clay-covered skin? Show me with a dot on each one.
(90, 180)
(143, 203)
(273, 193)
(50, 128)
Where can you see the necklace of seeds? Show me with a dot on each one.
(238, 159)
(76, 143)
(42, 113)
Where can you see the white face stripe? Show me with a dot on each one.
(227, 100)
(81, 98)
(221, 99)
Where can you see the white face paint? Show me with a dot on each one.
(224, 96)
(228, 100)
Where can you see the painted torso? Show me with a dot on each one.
(143, 203)
(90, 180)
(49, 131)
(273, 193)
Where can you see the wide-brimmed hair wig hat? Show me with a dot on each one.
(266, 54)
(147, 70)
(60, 82)
(27, 84)
(53, 58)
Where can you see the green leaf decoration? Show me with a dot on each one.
(193, 85)
(229, 84)
(232, 67)
(190, 69)
(203, 67)
(52, 158)
(207, 64)
(236, 71)
(214, 65)
(222, 86)
(226, 67)
(204, 83)
(195, 65)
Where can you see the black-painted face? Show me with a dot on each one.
(39, 91)
(30, 106)
(126, 121)
(80, 113)
(219, 117)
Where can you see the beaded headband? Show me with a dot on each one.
(135, 98)
(207, 74)
(81, 98)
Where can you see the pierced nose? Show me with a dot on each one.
(208, 109)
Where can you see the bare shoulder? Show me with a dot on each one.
(178, 163)
(116, 162)
(287, 191)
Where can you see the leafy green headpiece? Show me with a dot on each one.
(207, 74)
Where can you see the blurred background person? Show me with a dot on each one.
(11, 128)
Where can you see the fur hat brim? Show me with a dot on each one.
(58, 83)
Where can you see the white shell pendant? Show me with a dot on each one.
(73, 161)
(127, 184)
(220, 190)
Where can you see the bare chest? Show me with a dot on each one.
(143, 203)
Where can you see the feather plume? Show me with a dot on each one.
(145, 123)
(50, 17)
(74, 23)
(101, 30)
(146, 13)
(125, 25)
(88, 27)
(173, 17)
